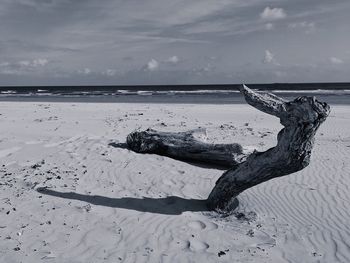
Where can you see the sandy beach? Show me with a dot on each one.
(104, 203)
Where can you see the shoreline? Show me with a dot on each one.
(217, 99)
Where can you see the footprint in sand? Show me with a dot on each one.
(211, 226)
(199, 225)
(196, 245)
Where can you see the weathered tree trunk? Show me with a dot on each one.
(184, 146)
(301, 119)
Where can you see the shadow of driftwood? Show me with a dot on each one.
(194, 163)
(171, 205)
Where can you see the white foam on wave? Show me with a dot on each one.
(121, 92)
(8, 92)
(317, 91)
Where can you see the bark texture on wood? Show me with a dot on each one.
(301, 118)
(184, 146)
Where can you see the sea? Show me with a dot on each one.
(332, 93)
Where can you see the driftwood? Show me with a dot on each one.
(301, 119)
(184, 146)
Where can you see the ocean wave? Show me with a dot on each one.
(317, 91)
(126, 92)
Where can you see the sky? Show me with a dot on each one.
(133, 42)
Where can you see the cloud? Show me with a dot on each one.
(309, 27)
(24, 63)
(152, 65)
(204, 70)
(38, 5)
(336, 61)
(269, 58)
(269, 26)
(110, 72)
(23, 66)
(273, 14)
(112, 37)
(85, 71)
(40, 62)
(4, 64)
(173, 60)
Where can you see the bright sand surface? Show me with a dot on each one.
(108, 204)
